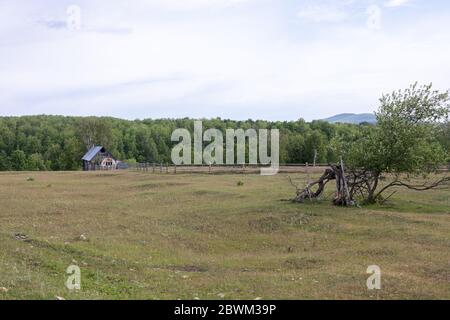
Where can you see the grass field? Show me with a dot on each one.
(164, 236)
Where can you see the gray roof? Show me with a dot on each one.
(92, 153)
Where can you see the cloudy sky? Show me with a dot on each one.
(239, 59)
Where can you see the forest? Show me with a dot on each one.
(44, 142)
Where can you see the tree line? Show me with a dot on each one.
(58, 142)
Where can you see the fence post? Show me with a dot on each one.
(160, 167)
(167, 167)
(175, 169)
(307, 173)
(154, 167)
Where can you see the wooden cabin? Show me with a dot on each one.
(98, 158)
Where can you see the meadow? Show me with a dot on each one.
(138, 235)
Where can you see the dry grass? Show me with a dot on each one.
(171, 236)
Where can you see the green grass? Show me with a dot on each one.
(204, 236)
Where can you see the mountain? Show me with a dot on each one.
(352, 118)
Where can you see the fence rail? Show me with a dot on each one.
(166, 168)
(217, 169)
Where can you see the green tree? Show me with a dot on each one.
(5, 163)
(36, 163)
(71, 154)
(295, 148)
(404, 143)
(55, 157)
(19, 160)
(95, 131)
(315, 146)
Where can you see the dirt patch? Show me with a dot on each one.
(266, 224)
(208, 193)
(439, 273)
(105, 175)
(302, 263)
(21, 237)
(296, 219)
(188, 268)
(157, 185)
(377, 252)
(274, 223)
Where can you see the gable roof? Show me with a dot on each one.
(92, 153)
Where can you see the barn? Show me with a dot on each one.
(98, 158)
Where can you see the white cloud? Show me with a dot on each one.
(396, 3)
(322, 13)
(247, 62)
(188, 5)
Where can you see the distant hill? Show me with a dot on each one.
(352, 118)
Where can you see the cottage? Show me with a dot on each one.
(98, 158)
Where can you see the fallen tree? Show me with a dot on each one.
(343, 195)
(359, 186)
(402, 146)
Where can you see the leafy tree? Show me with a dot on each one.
(295, 148)
(71, 154)
(18, 160)
(315, 145)
(5, 163)
(36, 163)
(55, 157)
(404, 143)
(95, 131)
(444, 138)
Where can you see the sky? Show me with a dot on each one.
(237, 59)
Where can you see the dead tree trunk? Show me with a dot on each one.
(342, 197)
(359, 183)
(308, 193)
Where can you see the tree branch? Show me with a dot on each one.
(441, 182)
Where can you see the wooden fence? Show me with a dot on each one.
(166, 168)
